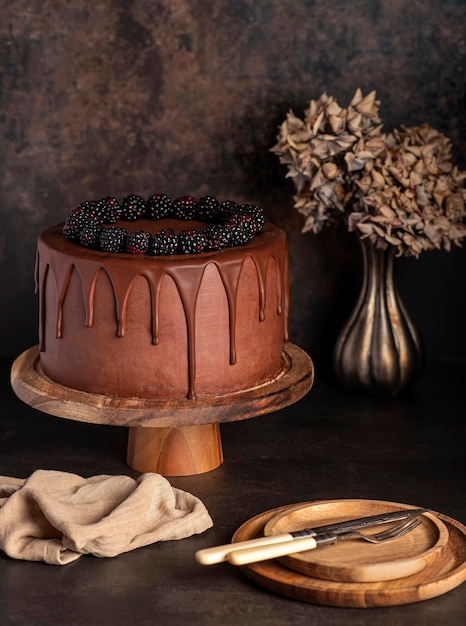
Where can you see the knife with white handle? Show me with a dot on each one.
(218, 554)
(275, 550)
(306, 539)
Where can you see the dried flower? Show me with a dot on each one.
(397, 189)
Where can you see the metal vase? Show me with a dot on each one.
(379, 350)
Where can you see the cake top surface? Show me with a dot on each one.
(263, 242)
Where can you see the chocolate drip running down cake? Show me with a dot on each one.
(177, 309)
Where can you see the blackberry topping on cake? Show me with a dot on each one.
(164, 242)
(77, 220)
(218, 237)
(138, 242)
(98, 209)
(132, 208)
(227, 209)
(90, 206)
(74, 223)
(192, 241)
(184, 208)
(255, 212)
(109, 210)
(113, 239)
(157, 206)
(208, 209)
(227, 224)
(242, 229)
(90, 233)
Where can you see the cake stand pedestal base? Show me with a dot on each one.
(175, 451)
(173, 437)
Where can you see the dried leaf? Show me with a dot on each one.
(398, 189)
(366, 104)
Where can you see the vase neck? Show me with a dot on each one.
(378, 262)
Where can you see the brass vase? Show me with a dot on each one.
(379, 350)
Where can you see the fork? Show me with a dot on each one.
(386, 535)
(263, 553)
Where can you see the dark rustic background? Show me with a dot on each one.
(121, 96)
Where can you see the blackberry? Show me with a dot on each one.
(138, 242)
(207, 209)
(164, 242)
(241, 228)
(96, 207)
(76, 220)
(73, 225)
(184, 208)
(91, 206)
(113, 239)
(132, 208)
(158, 205)
(227, 208)
(109, 210)
(89, 234)
(218, 237)
(255, 212)
(192, 241)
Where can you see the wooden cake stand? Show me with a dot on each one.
(177, 437)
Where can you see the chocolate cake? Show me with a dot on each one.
(151, 302)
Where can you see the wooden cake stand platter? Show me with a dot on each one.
(176, 437)
(326, 579)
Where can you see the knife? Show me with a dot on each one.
(305, 539)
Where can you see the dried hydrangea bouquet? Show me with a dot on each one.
(401, 194)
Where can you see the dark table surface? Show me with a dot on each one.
(329, 445)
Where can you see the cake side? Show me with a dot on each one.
(162, 327)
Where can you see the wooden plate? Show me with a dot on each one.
(355, 560)
(446, 572)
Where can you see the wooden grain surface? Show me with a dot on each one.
(175, 451)
(35, 389)
(444, 574)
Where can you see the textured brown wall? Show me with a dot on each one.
(122, 96)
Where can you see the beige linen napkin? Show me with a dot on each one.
(56, 516)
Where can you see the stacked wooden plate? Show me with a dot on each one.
(425, 563)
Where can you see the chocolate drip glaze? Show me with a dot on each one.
(57, 257)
